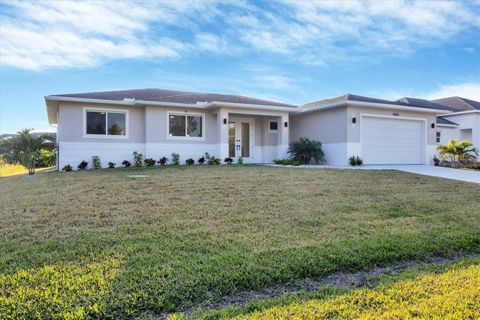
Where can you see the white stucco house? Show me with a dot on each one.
(157, 122)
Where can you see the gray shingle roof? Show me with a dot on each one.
(406, 102)
(162, 95)
(441, 120)
(458, 104)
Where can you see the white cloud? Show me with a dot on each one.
(469, 90)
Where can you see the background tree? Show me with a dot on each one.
(458, 151)
(26, 148)
(306, 151)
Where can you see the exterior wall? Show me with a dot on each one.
(465, 122)
(447, 133)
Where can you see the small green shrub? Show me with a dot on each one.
(436, 161)
(149, 162)
(211, 160)
(306, 151)
(287, 162)
(82, 165)
(67, 168)
(137, 159)
(189, 161)
(126, 163)
(359, 161)
(96, 163)
(163, 161)
(355, 161)
(201, 160)
(46, 158)
(175, 159)
(228, 160)
(240, 160)
(111, 165)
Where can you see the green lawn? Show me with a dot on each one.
(99, 243)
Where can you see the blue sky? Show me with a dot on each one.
(292, 51)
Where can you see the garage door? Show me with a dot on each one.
(392, 141)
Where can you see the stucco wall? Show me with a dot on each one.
(468, 121)
(328, 126)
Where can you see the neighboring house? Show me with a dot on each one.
(157, 122)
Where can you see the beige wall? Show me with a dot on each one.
(353, 131)
(71, 123)
(328, 126)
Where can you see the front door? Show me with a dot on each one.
(240, 138)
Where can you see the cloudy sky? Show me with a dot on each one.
(289, 50)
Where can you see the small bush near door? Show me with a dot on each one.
(201, 160)
(137, 159)
(163, 161)
(67, 168)
(175, 159)
(189, 161)
(96, 163)
(228, 160)
(355, 161)
(126, 163)
(82, 165)
(307, 151)
(149, 162)
(111, 165)
(211, 160)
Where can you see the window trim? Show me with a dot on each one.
(438, 136)
(278, 126)
(180, 113)
(106, 135)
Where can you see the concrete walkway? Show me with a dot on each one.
(447, 173)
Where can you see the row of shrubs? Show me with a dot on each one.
(139, 161)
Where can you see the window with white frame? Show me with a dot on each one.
(272, 126)
(105, 123)
(438, 136)
(185, 125)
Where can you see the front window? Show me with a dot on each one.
(273, 126)
(108, 123)
(438, 136)
(182, 125)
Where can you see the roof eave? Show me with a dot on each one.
(453, 113)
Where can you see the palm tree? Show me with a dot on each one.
(458, 151)
(25, 148)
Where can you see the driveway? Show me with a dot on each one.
(447, 173)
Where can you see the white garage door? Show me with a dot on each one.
(392, 141)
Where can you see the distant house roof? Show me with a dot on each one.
(441, 120)
(173, 96)
(458, 104)
(403, 102)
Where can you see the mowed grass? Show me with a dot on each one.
(184, 236)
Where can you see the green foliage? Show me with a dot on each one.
(137, 159)
(306, 151)
(96, 163)
(211, 160)
(126, 163)
(355, 161)
(201, 160)
(175, 159)
(111, 165)
(240, 160)
(67, 168)
(149, 162)
(228, 160)
(189, 161)
(287, 162)
(46, 158)
(25, 148)
(436, 161)
(82, 165)
(458, 151)
(3, 160)
(163, 161)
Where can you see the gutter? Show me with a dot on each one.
(453, 113)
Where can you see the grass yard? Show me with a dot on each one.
(101, 244)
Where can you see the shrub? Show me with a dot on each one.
(307, 151)
(211, 160)
(436, 161)
(163, 161)
(228, 160)
(126, 163)
(149, 162)
(359, 161)
(286, 162)
(189, 161)
(111, 165)
(96, 164)
(67, 168)
(137, 159)
(46, 158)
(240, 160)
(355, 161)
(82, 165)
(201, 160)
(175, 159)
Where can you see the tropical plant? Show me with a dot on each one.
(189, 161)
(436, 161)
(306, 151)
(82, 165)
(137, 159)
(96, 163)
(240, 160)
(47, 158)
(25, 148)
(175, 159)
(67, 168)
(458, 151)
(126, 163)
(111, 165)
(163, 160)
(149, 162)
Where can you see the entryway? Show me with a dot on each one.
(240, 137)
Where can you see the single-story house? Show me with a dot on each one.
(157, 122)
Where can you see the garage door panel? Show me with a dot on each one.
(392, 141)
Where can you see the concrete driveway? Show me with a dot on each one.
(447, 173)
